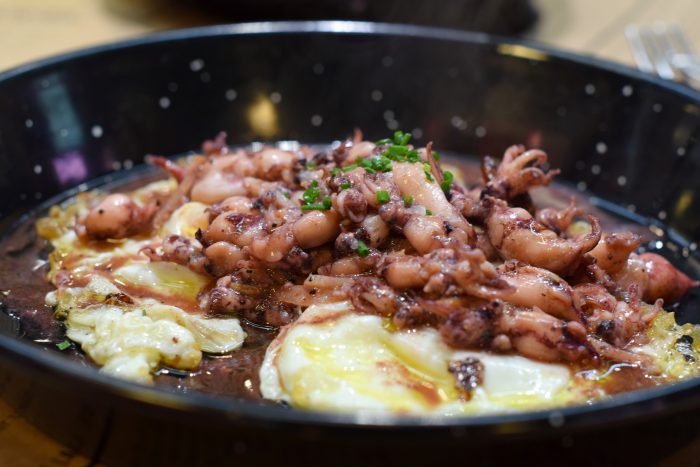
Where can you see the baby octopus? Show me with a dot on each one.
(653, 275)
(519, 171)
(515, 234)
(529, 331)
(385, 226)
(116, 216)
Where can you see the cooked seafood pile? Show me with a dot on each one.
(383, 268)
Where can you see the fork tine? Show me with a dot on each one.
(639, 51)
(656, 45)
(679, 41)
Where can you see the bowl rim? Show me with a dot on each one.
(632, 405)
(347, 27)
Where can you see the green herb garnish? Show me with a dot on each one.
(63, 345)
(436, 155)
(426, 170)
(345, 185)
(383, 142)
(325, 205)
(285, 194)
(401, 138)
(350, 167)
(447, 182)
(335, 172)
(312, 193)
(362, 248)
(381, 164)
(428, 212)
(310, 165)
(408, 201)
(382, 196)
(396, 153)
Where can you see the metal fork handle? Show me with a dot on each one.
(664, 50)
(639, 52)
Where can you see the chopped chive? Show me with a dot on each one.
(397, 153)
(401, 138)
(350, 167)
(383, 142)
(408, 201)
(362, 248)
(436, 155)
(428, 212)
(325, 205)
(426, 170)
(382, 196)
(447, 181)
(310, 165)
(412, 156)
(63, 345)
(313, 207)
(345, 185)
(381, 164)
(335, 172)
(311, 194)
(368, 165)
(285, 194)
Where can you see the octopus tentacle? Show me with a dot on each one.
(536, 287)
(519, 171)
(516, 235)
(614, 249)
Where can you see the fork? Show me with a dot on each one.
(664, 50)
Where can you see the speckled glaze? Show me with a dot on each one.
(628, 139)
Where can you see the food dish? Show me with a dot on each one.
(606, 126)
(395, 283)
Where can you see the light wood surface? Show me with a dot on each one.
(596, 27)
(32, 29)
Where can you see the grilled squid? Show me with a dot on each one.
(519, 171)
(516, 235)
(115, 217)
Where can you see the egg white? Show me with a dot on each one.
(130, 339)
(335, 359)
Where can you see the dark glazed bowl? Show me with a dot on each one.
(625, 137)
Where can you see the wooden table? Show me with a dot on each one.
(32, 29)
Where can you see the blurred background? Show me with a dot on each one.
(31, 29)
(34, 29)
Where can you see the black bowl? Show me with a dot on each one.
(629, 139)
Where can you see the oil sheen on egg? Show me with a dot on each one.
(335, 359)
(186, 220)
(162, 278)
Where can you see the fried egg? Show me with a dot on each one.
(128, 314)
(332, 358)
